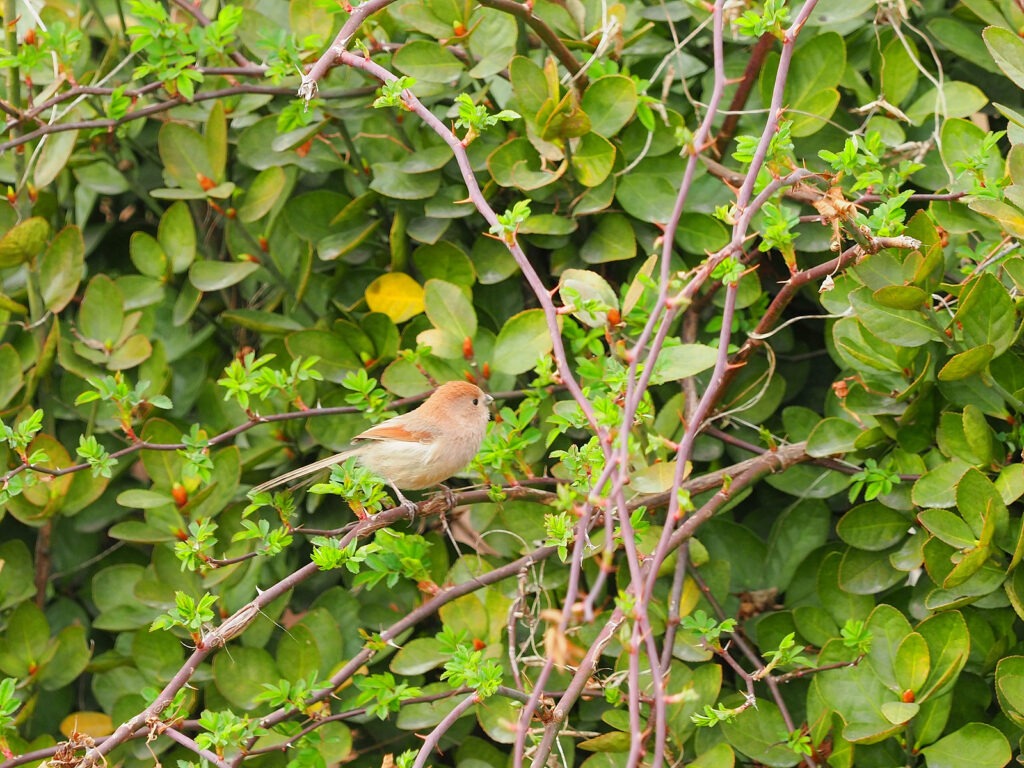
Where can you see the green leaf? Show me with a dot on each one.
(140, 498)
(101, 315)
(216, 136)
(185, 157)
(493, 42)
(447, 261)
(612, 741)
(832, 436)
(148, 255)
(757, 733)
(963, 40)
(449, 309)
(977, 499)
(1009, 684)
(54, 154)
(428, 61)
(548, 224)
(610, 102)
(898, 712)
(335, 350)
(976, 745)
(863, 572)
(521, 341)
(612, 240)
(240, 675)
(700, 234)
(986, 313)
(70, 658)
(23, 241)
(718, 756)
(872, 526)
(16, 584)
(948, 646)
(948, 527)
(799, 530)
(562, 119)
(960, 141)
(888, 627)
(937, 487)
(517, 164)
(263, 194)
(966, 364)
(1009, 217)
(10, 374)
(899, 70)
(131, 353)
(177, 236)
(901, 297)
(418, 656)
(307, 18)
(492, 260)
(24, 641)
(312, 215)
(970, 564)
(391, 180)
(60, 268)
(258, 320)
(912, 663)
(649, 191)
(593, 160)
(427, 159)
(102, 178)
(1007, 52)
(810, 93)
(589, 287)
(317, 642)
(959, 99)
(217, 275)
(158, 653)
(342, 243)
(186, 304)
(979, 435)
(682, 361)
(529, 86)
(856, 694)
(901, 327)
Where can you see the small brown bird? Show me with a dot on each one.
(418, 449)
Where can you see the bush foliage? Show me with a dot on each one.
(743, 279)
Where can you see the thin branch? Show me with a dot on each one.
(434, 737)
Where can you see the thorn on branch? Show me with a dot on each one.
(308, 89)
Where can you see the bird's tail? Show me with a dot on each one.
(295, 474)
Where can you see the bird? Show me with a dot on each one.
(418, 449)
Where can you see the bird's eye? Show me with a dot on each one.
(476, 401)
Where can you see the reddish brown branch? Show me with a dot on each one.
(739, 99)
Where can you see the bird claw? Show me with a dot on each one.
(449, 497)
(409, 506)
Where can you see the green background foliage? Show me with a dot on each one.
(745, 282)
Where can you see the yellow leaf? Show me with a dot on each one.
(396, 295)
(92, 724)
(689, 598)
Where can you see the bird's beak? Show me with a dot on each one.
(488, 399)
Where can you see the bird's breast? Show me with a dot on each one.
(414, 466)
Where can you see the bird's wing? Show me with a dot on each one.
(391, 431)
(388, 430)
(295, 474)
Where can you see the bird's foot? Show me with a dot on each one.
(409, 506)
(449, 497)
